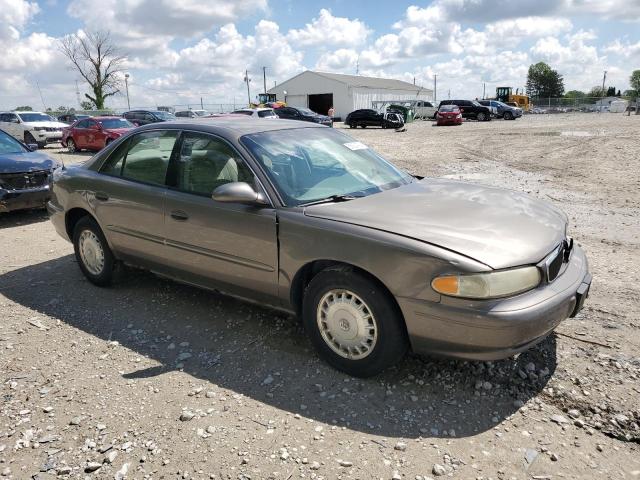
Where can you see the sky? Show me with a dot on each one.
(179, 52)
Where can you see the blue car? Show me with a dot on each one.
(502, 110)
(24, 175)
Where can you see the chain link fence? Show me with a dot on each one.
(583, 104)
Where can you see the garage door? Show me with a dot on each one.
(296, 100)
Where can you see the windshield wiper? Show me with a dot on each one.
(331, 199)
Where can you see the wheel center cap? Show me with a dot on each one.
(344, 324)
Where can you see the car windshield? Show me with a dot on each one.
(9, 144)
(306, 111)
(115, 123)
(449, 108)
(164, 115)
(321, 163)
(35, 117)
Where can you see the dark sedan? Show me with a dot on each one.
(145, 117)
(371, 118)
(303, 114)
(24, 175)
(305, 218)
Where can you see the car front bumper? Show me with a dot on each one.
(495, 329)
(43, 136)
(23, 199)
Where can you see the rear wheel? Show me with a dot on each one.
(363, 126)
(352, 125)
(481, 117)
(353, 322)
(71, 146)
(93, 253)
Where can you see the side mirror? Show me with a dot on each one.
(238, 192)
(32, 146)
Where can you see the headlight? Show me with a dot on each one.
(488, 285)
(459, 115)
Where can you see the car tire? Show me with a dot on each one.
(361, 302)
(352, 125)
(508, 116)
(93, 254)
(71, 146)
(363, 126)
(481, 117)
(29, 139)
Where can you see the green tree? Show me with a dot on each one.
(597, 92)
(575, 94)
(634, 81)
(86, 105)
(611, 92)
(98, 61)
(543, 81)
(62, 109)
(24, 108)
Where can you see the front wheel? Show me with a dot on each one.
(353, 322)
(481, 117)
(352, 125)
(508, 116)
(71, 146)
(93, 253)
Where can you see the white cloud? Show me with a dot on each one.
(14, 15)
(330, 30)
(342, 60)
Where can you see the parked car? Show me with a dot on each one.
(502, 110)
(449, 115)
(373, 260)
(32, 127)
(145, 117)
(24, 175)
(304, 114)
(94, 133)
(370, 118)
(470, 109)
(70, 118)
(192, 113)
(424, 110)
(257, 112)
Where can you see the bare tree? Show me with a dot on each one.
(98, 61)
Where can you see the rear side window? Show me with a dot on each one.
(266, 113)
(144, 158)
(84, 124)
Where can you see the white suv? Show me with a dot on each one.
(32, 127)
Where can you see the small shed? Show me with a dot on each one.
(319, 91)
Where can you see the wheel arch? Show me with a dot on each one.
(73, 216)
(308, 271)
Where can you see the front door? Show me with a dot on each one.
(129, 197)
(230, 246)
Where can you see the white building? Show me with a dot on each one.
(346, 93)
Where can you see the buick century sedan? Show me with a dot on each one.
(302, 217)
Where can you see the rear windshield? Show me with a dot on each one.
(449, 108)
(244, 112)
(115, 123)
(266, 113)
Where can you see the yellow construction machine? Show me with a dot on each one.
(505, 95)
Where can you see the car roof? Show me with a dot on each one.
(228, 126)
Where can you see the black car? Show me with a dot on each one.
(371, 118)
(304, 114)
(145, 117)
(71, 117)
(470, 109)
(24, 175)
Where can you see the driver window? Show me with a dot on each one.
(206, 162)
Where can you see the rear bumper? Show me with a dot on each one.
(490, 330)
(23, 199)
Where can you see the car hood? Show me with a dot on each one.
(500, 228)
(47, 124)
(25, 162)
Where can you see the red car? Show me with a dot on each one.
(449, 115)
(94, 133)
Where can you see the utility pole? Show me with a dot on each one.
(264, 78)
(435, 87)
(449, 95)
(358, 65)
(247, 79)
(484, 90)
(604, 78)
(126, 86)
(78, 95)
(201, 104)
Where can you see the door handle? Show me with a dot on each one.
(179, 215)
(103, 197)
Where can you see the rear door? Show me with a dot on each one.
(130, 194)
(230, 246)
(81, 133)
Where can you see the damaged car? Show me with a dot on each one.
(373, 260)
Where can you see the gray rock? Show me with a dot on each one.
(184, 356)
(64, 470)
(187, 415)
(438, 470)
(573, 413)
(396, 476)
(530, 455)
(268, 380)
(559, 419)
(122, 473)
(92, 467)
(314, 466)
(345, 463)
(401, 446)
(111, 456)
(76, 420)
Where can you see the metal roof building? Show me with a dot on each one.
(319, 91)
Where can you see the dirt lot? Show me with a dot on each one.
(162, 380)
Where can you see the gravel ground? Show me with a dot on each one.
(151, 379)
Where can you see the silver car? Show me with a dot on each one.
(304, 218)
